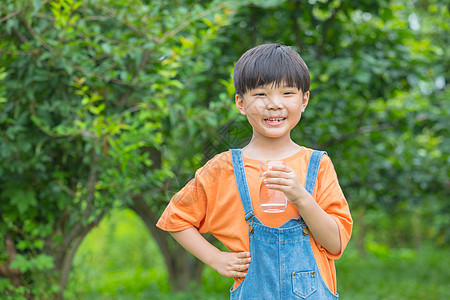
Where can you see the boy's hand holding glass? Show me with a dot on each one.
(284, 179)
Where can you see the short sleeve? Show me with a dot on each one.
(186, 209)
(331, 199)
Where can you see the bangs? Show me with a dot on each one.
(270, 64)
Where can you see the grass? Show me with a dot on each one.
(402, 274)
(120, 260)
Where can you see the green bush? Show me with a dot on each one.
(119, 260)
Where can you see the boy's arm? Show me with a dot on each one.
(228, 264)
(322, 226)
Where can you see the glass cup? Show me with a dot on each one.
(271, 201)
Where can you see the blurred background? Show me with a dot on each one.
(108, 107)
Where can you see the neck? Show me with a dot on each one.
(264, 148)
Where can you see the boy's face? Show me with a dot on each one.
(273, 111)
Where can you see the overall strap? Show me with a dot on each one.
(313, 170)
(241, 182)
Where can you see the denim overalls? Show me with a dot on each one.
(282, 262)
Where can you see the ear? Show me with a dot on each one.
(240, 104)
(305, 100)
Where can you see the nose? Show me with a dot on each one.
(274, 103)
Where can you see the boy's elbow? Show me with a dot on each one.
(335, 248)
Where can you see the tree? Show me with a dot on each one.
(88, 86)
(109, 103)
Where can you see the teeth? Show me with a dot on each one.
(275, 119)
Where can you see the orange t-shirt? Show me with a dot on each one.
(210, 202)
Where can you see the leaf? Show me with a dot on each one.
(21, 263)
(37, 6)
(21, 198)
(106, 47)
(43, 262)
(362, 76)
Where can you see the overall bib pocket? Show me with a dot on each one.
(304, 283)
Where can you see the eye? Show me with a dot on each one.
(259, 95)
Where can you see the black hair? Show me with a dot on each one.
(270, 63)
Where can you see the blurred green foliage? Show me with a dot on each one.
(103, 271)
(107, 104)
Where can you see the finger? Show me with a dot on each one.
(241, 268)
(280, 168)
(276, 181)
(239, 274)
(277, 174)
(243, 261)
(243, 254)
(276, 187)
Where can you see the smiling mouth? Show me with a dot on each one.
(274, 121)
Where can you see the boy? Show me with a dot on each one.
(288, 255)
